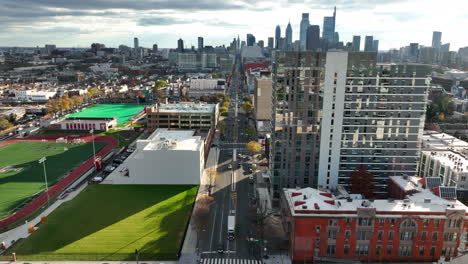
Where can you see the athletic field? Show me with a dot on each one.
(123, 112)
(21, 175)
(108, 222)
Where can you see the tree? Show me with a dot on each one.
(247, 107)
(158, 91)
(247, 99)
(361, 182)
(4, 124)
(77, 100)
(201, 214)
(253, 146)
(221, 126)
(223, 110)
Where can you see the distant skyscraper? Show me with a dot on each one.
(329, 28)
(200, 43)
(313, 37)
(238, 42)
(155, 47)
(135, 43)
(356, 43)
(375, 45)
(414, 50)
(288, 36)
(250, 39)
(368, 42)
(277, 36)
(261, 43)
(180, 45)
(271, 42)
(436, 39)
(303, 30)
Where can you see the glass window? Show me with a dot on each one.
(389, 250)
(390, 235)
(434, 236)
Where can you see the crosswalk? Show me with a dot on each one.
(229, 261)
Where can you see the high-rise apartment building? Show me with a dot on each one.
(375, 45)
(368, 42)
(250, 39)
(436, 39)
(313, 38)
(200, 44)
(356, 43)
(271, 42)
(288, 36)
(180, 45)
(136, 45)
(277, 36)
(155, 48)
(303, 30)
(336, 111)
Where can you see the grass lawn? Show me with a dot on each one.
(108, 222)
(26, 176)
(123, 112)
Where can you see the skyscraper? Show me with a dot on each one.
(238, 43)
(277, 36)
(303, 30)
(313, 38)
(375, 45)
(329, 28)
(250, 39)
(180, 45)
(261, 43)
(436, 39)
(200, 43)
(356, 43)
(288, 36)
(271, 42)
(326, 126)
(135, 43)
(155, 48)
(368, 42)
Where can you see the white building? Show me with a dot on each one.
(88, 123)
(32, 95)
(446, 157)
(196, 61)
(200, 86)
(166, 157)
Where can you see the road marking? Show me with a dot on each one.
(212, 229)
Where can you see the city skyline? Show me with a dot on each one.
(35, 23)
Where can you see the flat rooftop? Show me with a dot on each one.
(450, 158)
(186, 108)
(163, 138)
(433, 140)
(310, 202)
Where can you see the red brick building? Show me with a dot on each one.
(423, 226)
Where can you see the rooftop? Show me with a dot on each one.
(186, 108)
(433, 140)
(163, 138)
(309, 201)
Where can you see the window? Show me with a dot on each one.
(331, 250)
(362, 250)
(425, 223)
(380, 235)
(389, 250)
(381, 222)
(378, 251)
(317, 229)
(348, 221)
(347, 234)
(333, 222)
(364, 235)
(406, 236)
(364, 221)
(434, 236)
(346, 250)
(450, 236)
(408, 223)
(436, 223)
(390, 235)
(423, 236)
(421, 251)
(404, 251)
(332, 234)
(432, 252)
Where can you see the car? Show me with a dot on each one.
(250, 170)
(251, 177)
(220, 249)
(98, 179)
(238, 165)
(263, 164)
(109, 168)
(229, 167)
(118, 161)
(129, 150)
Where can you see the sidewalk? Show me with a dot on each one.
(189, 253)
(22, 230)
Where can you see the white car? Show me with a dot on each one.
(98, 179)
(109, 168)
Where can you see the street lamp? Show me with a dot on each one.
(94, 149)
(42, 160)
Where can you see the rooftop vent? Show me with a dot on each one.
(427, 200)
(406, 200)
(304, 207)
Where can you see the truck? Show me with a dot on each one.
(231, 227)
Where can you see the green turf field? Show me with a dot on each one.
(123, 112)
(18, 185)
(108, 222)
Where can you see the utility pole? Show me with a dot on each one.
(42, 160)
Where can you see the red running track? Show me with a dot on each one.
(40, 201)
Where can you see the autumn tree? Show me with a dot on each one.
(253, 147)
(157, 89)
(361, 182)
(4, 124)
(201, 213)
(221, 126)
(247, 107)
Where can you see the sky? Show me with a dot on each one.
(78, 23)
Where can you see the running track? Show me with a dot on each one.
(65, 182)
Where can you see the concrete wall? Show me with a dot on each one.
(262, 99)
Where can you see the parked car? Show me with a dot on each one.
(98, 179)
(118, 161)
(109, 168)
(229, 167)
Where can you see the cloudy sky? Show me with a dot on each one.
(78, 23)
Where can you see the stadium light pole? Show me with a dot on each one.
(94, 149)
(42, 160)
